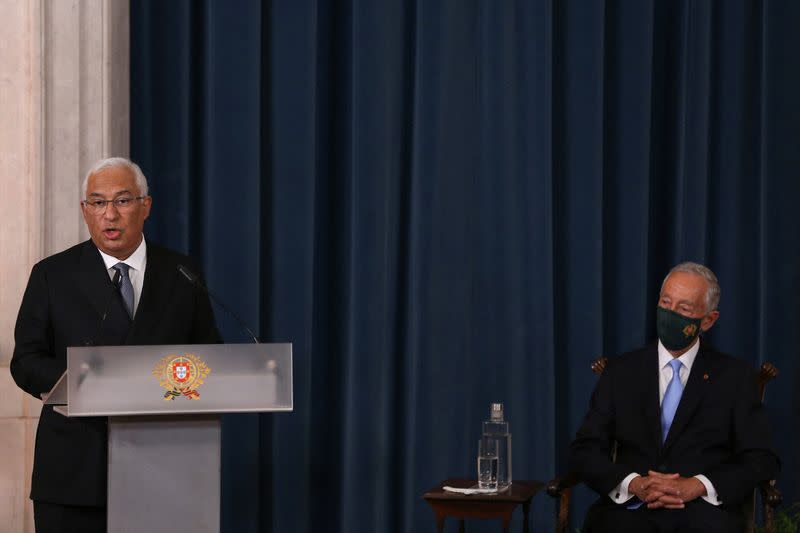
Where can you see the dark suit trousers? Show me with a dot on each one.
(697, 517)
(56, 518)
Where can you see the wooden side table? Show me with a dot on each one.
(500, 505)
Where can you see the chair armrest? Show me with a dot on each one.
(560, 487)
(770, 494)
(771, 497)
(556, 486)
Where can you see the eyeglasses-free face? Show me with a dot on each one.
(115, 210)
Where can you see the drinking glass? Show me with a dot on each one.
(487, 463)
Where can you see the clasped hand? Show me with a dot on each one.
(666, 491)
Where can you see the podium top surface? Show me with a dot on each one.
(175, 379)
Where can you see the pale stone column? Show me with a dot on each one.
(64, 101)
(86, 104)
(21, 237)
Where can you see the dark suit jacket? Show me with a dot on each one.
(719, 430)
(66, 297)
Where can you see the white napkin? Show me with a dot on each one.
(469, 491)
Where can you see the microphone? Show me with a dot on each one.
(115, 283)
(195, 280)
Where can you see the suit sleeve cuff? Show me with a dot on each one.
(620, 494)
(711, 495)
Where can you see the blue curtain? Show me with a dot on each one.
(444, 204)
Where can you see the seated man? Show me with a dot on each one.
(692, 437)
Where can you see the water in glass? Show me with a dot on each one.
(487, 463)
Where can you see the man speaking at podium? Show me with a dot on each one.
(115, 289)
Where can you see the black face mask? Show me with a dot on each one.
(676, 331)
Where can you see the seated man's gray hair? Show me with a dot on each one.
(713, 293)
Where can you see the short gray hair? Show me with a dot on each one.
(713, 292)
(111, 162)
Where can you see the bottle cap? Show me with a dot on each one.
(496, 412)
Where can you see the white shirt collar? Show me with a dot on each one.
(135, 260)
(664, 357)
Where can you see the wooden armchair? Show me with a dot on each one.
(561, 487)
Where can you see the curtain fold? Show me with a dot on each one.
(446, 204)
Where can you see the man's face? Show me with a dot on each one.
(115, 231)
(685, 294)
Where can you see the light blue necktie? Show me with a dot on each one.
(672, 397)
(125, 287)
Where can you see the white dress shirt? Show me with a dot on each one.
(620, 493)
(137, 262)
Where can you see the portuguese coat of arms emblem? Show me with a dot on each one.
(181, 375)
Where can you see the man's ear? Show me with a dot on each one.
(85, 213)
(709, 320)
(148, 203)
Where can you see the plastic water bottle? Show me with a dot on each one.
(497, 428)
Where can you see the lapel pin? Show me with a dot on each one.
(705, 377)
